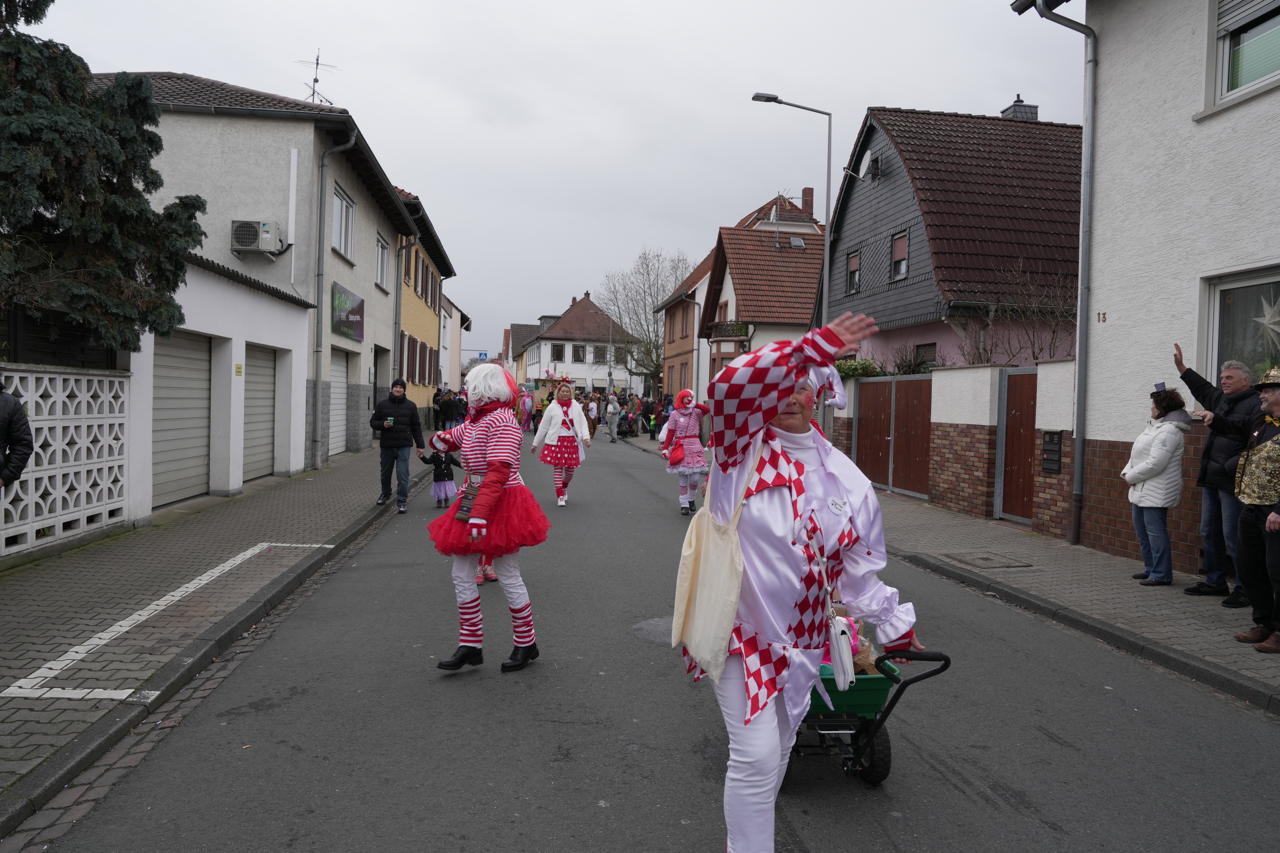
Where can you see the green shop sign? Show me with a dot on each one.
(348, 314)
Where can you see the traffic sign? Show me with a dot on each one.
(482, 356)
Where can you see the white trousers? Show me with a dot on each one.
(506, 568)
(758, 756)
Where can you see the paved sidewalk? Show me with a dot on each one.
(93, 640)
(1086, 589)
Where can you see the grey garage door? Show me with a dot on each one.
(180, 419)
(338, 402)
(259, 411)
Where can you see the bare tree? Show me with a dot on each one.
(1034, 320)
(630, 297)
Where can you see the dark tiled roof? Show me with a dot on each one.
(169, 88)
(247, 280)
(1000, 200)
(773, 282)
(586, 321)
(522, 334)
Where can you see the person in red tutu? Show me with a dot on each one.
(495, 516)
(564, 436)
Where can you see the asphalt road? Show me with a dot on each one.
(339, 734)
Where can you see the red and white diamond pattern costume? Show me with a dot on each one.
(810, 519)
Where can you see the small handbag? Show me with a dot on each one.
(840, 635)
(676, 454)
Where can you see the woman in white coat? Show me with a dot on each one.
(564, 437)
(1154, 475)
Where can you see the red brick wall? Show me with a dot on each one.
(1051, 514)
(842, 434)
(1107, 519)
(962, 463)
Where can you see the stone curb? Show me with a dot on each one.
(26, 796)
(1242, 687)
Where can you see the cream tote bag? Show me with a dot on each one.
(709, 583)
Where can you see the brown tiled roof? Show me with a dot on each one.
(773, 282)
(522, 334)
(169, 88)
(788, 211)
(1000, 199)
(427, 233)
(586, 321)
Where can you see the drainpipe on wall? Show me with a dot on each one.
(318, 354)
(1086, 231)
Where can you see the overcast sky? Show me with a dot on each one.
(552, 141)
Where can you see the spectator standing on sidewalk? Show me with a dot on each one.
(649, 418)
(611, 412)
(1234, 403)
(398, 426)
(1154, 475)
(16, 445)
(1258, 488)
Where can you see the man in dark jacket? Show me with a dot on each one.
(1233, 406)
(396, 419)
(15, 439)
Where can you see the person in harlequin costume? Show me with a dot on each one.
(494, 518)
(683, 430)
(564, 436)
(810, 521)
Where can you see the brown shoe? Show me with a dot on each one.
(1270, 644)
(1255, 635)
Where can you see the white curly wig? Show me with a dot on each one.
(489, 382)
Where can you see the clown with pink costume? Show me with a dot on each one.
(681, 439)
(494, 518)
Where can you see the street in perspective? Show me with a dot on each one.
(658, 428)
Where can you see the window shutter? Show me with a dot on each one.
(422, 363)
(1232, 14)
(403, 339)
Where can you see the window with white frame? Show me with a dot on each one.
(853, 281)
(344, 219)
(380, 265)
(1248, 46)
(1247, 324)
(899, 261)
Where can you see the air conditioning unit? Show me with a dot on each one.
(253, 235)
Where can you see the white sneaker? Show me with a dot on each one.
(560, 501)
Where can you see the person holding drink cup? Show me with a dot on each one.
(399, 428)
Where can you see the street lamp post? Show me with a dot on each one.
(767, 98)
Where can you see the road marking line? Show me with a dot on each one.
(29, 687)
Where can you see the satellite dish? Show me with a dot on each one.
(864, 164)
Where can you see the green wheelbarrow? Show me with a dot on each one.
(855, 729)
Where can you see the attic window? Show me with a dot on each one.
(797, 242)
(899, 269)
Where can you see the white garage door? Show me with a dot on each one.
(180, 419)
(338, 402)
(259, 411)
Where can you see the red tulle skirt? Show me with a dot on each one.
(518, 522)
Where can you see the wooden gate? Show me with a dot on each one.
(1016, 457)
(893, 432)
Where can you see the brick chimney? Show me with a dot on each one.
(586, 294)
(573, 300)
(1020, 111)
(806, 201)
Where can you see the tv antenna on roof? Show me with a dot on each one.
(315, 96)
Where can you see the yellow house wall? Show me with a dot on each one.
(419, 320)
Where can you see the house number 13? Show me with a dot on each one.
(1102, 316)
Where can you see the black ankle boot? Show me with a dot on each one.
(464, 655)
(520, 658)
(693, 505)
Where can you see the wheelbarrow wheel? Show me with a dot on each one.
(873, 767)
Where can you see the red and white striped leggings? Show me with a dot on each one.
(562, 478)
(471, 620)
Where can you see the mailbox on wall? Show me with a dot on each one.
(1051, 453)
